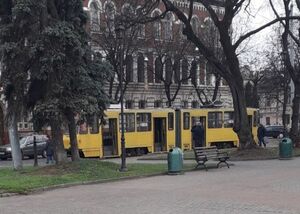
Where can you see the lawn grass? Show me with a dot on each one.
(31, 178)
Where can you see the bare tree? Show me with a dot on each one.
(290, 51)
(229, 69)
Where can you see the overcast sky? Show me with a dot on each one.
(259, 13)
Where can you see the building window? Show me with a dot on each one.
(20, 125)
(209, 74)
(129, 122)
(169, 70)
(194, 73)
(157, 104)
(141, 68)
(202, 73)
(129, 104)
(186, 120)
(157, 27)
(228, 119)
(150, 69)
(215, 120)
(171, 121)
(287, 119)
(195, 25)
(185, 104)
(177, 70)
(268, 102)
(185, 67)
(95, 16)
(142, 104)
(158, 70)
(268, 121)
(143, 122)
(168, 27)
(110, 17)
(195, 104)
(140, 27)
(129, 68)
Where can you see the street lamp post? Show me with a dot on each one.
(120, 31)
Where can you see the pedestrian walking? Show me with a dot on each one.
(49, 150)
(198, 135)
(261, 132)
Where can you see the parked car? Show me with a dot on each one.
(275, 131)
(26, 145)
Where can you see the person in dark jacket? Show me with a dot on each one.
(198, 135)
(261, 132)
(49, 150)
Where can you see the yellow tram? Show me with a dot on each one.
(157, 130)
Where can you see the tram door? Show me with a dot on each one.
(109, 138)
(202, 120)
(160, 134)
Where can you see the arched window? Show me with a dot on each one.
(95, 8)
(141, 68)
(169, 70)
(129, 68)
(194, 72)
(158, 70)
(110, 11)
(185, 67)
(195, 25)
(168, 27)
(156, 26)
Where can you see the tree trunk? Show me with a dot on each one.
(241, 122)
(73, 136)
(295, 115)
(2, 125)
(284, 105)
(57, 137)
(14, 141)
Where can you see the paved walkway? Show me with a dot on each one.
(254, 187)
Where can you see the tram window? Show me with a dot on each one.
(250, 120)
(143, 122)
(186, 120)
(93, 124)
(129, 122)
(215, 120)
(195, 120)
(255, 118)
(228, 119)
(83, 129)
(171, 121)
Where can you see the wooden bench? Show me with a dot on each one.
(203, 154)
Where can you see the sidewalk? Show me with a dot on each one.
(251, 187)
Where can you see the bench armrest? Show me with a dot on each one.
(223, 153)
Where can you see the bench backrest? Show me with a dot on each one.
(201, 152)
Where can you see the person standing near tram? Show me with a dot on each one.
(198, 135)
